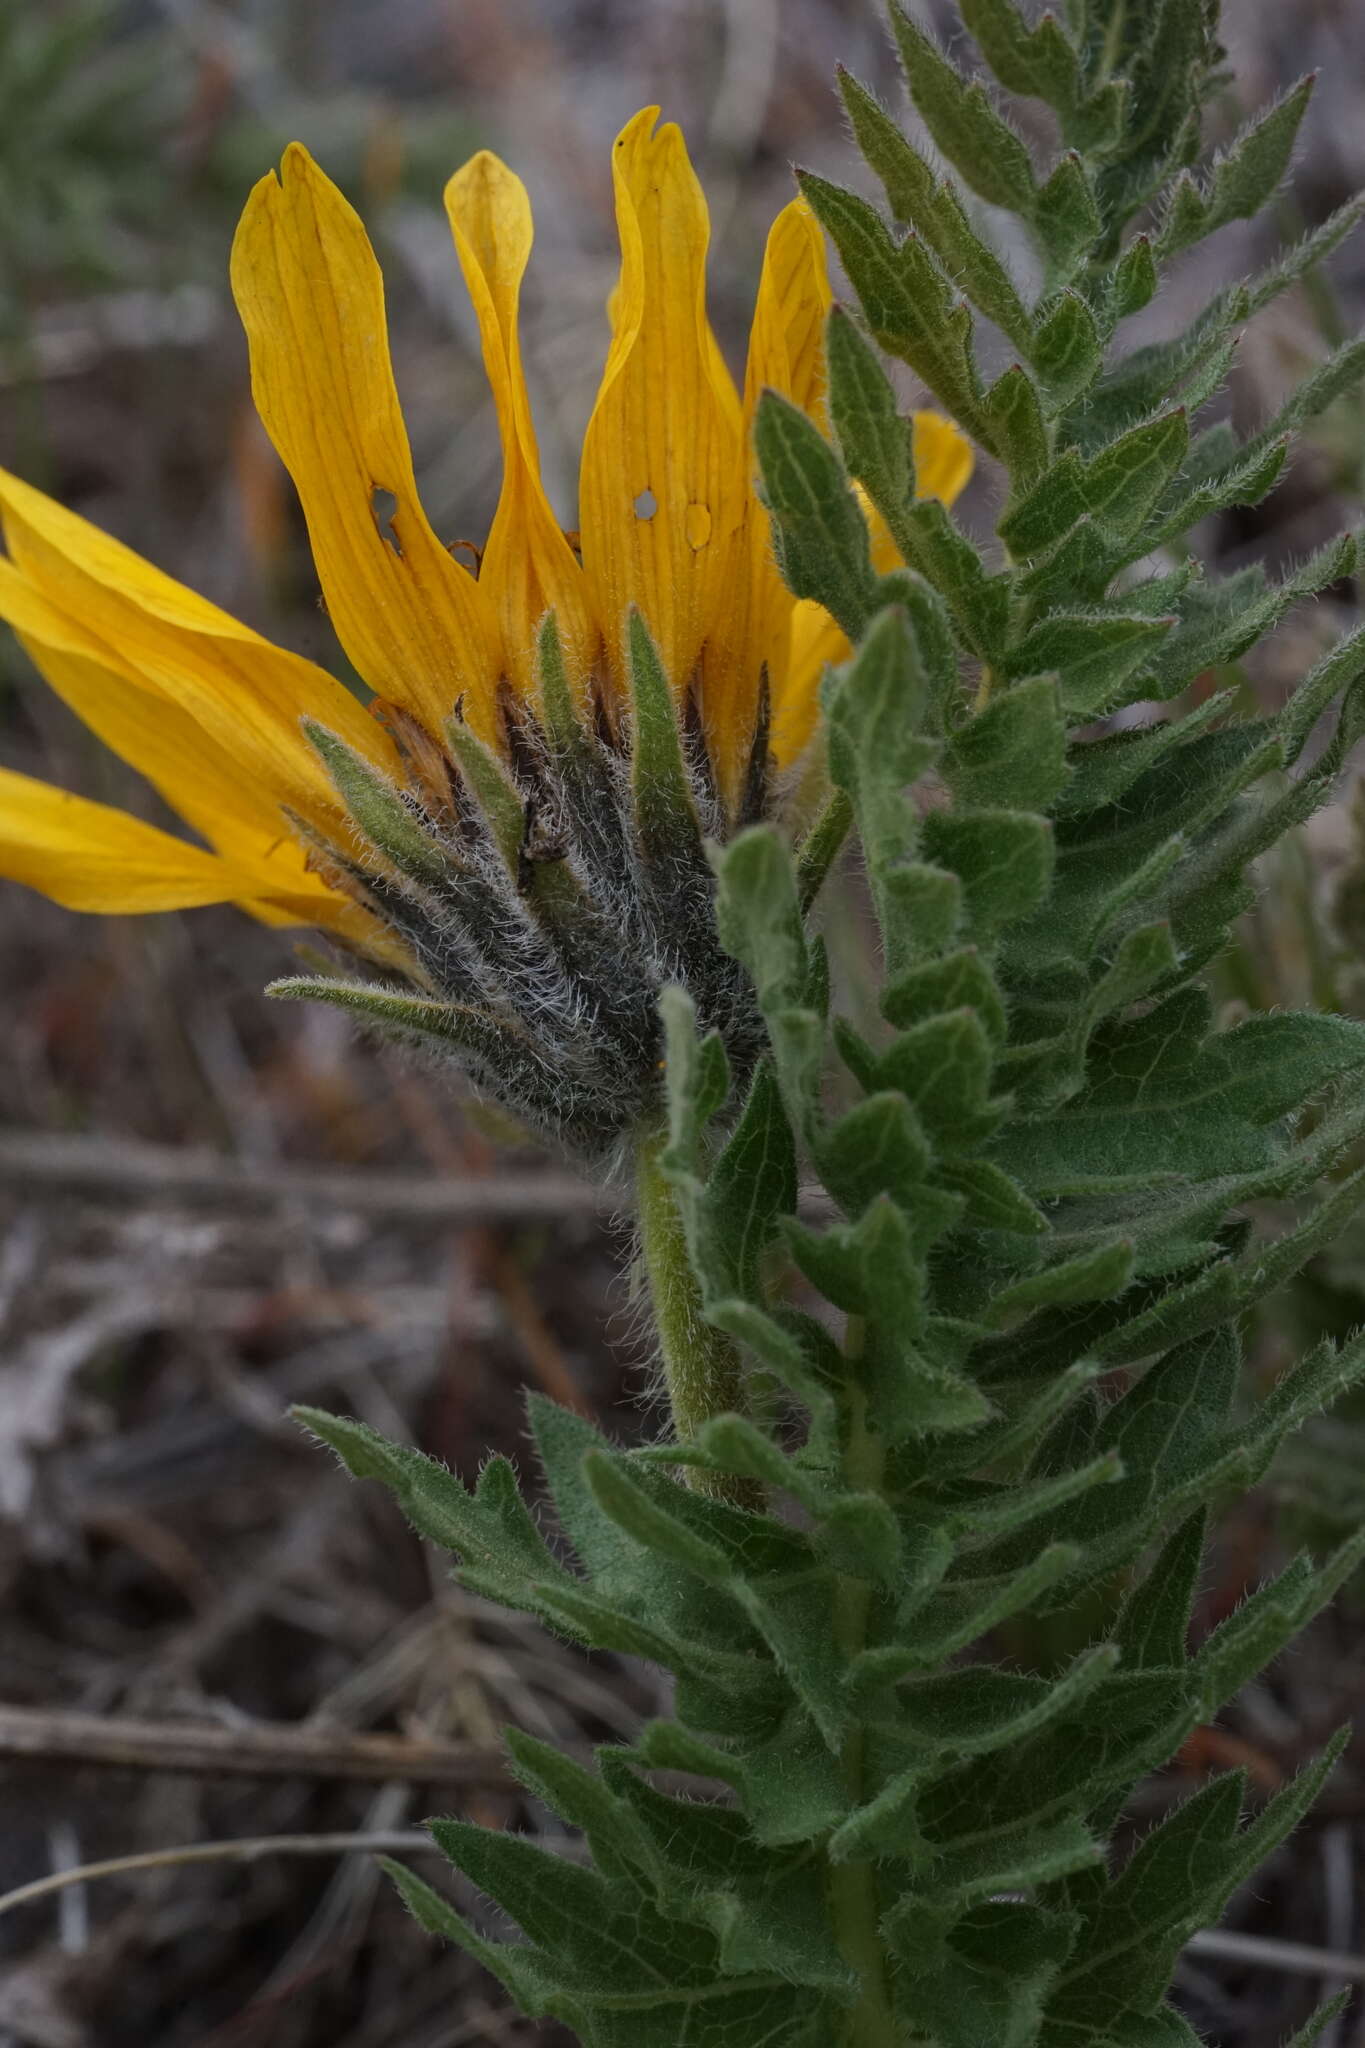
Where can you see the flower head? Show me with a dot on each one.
(515, 824)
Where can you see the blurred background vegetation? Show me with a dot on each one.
(169, 1553)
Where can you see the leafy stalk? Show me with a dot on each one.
(701, 1367)
(990, 1366)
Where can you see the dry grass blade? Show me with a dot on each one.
(381, 1842)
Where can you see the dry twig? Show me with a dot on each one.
(270, 1750)
(128, 1167)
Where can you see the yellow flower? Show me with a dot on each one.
(669, 523)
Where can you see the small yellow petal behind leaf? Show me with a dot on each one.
(753, 635)
(816, 643)
(944, 457)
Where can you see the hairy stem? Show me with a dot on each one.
(701, 1366)
(820, 847)
(854, 1905)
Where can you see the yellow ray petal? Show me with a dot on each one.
(194, 776)
(528, 566)
(414, 622)
(815, 642)
(88, 856)
(944, 457)
(77, 590)
(659, 505)
(786, 353)
(787, 339)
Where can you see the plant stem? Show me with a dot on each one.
(702, 1370)
(854, 1905)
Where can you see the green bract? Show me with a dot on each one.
(1033, 1173)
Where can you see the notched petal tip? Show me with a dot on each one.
(298, 158)
(645, 122)
(295, 166)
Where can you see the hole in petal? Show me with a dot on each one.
(383, 508)
(646, 505)
(697, 526)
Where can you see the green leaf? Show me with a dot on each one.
(490, 1530)
(954, 1621)
(1162, 1097)
(417, 1020)
(1143, 381)
(960, 980)
(980, 603)
(994, 1201)
(819, 533)
(1067, 350)
(378, 808)
(1335, 672)
(911, 593)
(1014, 750)
(1066, 218)
(581, 1797)
(1014, 408)
(698, 1076)
(1038, 63)
(609, 1953)
(1136, 278)
(499, 801)
(870, 1266)
(906, 300)
(877, 744)
(1305, 254)
(664, 808)
(1117, 487)
(877, 747)
(751, 1183)
(1244, 178)
(865, 415)
(1018, 1859)
(1003, 860)
(649, 1523)
(1038, 1500)
(1090, 1276)
(943, 1066)
(1320, 2021)
(1177, 1880)
(759, 916)
(1241, 483)
(518, 1969)
(1154, 1621)
(931, 204)
(1092, 654)
(996, 1966)
(964, 124)
(878, 1148)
